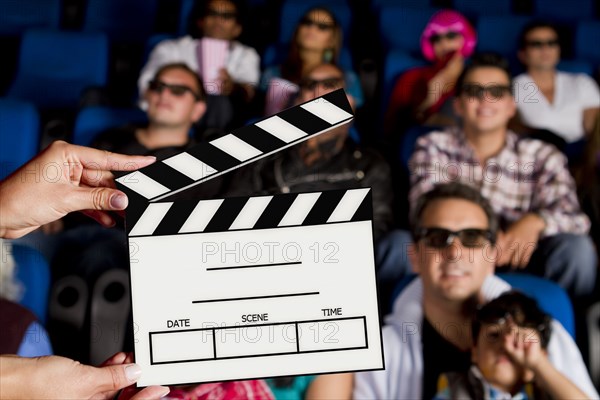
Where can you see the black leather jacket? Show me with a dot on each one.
(351, 168)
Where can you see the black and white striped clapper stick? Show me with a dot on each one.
(245, 213)
(240, 147)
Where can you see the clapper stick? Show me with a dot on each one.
(193, 299)
(243, 146)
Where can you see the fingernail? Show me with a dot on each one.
(118, 202)
(133, 372)
(165, 391)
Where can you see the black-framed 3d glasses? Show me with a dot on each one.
(450, 35)
(323, 26)
(538, 44)
(473, 90)
(440, 238)
(229, 15)
(176, 90)
(327, 83)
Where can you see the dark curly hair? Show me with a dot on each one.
(523, 310)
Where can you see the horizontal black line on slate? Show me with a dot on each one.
(253, 266)
(259, 355)
(256, 297)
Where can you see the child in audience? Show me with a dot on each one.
(510, 361)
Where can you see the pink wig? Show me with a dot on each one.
(442, 22)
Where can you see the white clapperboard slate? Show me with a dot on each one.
(252, 287)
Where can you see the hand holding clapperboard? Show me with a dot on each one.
(252, 287)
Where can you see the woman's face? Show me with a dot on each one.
(316, 31)
(445, 43)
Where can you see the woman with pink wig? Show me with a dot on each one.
(419, 94)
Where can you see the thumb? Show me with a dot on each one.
(116, 377)
(99, 198)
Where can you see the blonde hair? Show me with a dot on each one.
(10, 288)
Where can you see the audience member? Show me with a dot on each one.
(429, 330)
(217, 19)
(510, 358)
(175, 99)
(327, 161)
(176, 102)
(553, 102)
(27, 202)
(527, 181)
(316, 40)
(421, 95)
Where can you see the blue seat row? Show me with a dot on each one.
(131, 20)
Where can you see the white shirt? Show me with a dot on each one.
(573, 93)
(403, 349)
(243, 63)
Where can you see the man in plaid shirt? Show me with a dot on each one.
(527, 181)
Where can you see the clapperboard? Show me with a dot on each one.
(251, 287)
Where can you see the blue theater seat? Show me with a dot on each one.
(401, 27)
(93, 120)
(396, 63)
(55, 67)
(19, 134)
(559, 10)
(18, 16)
(500, 33)
(551, 298)
(586, 41)
(123, 21)
(33, 272)
(376, 5)
(475, 8)
(576, 67)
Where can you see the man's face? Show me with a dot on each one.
(542, 50)
(175, 106)
(322, 80)
(220, 21)
(454, 273)
(493, 361)
(486, 103)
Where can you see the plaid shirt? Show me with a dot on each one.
(526, 176)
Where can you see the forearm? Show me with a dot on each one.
(556, 384)
(336, 386)
(590, 118)
(9, 211)
(535, 221)
(17, 376)
(554, 195)
(560, 221)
